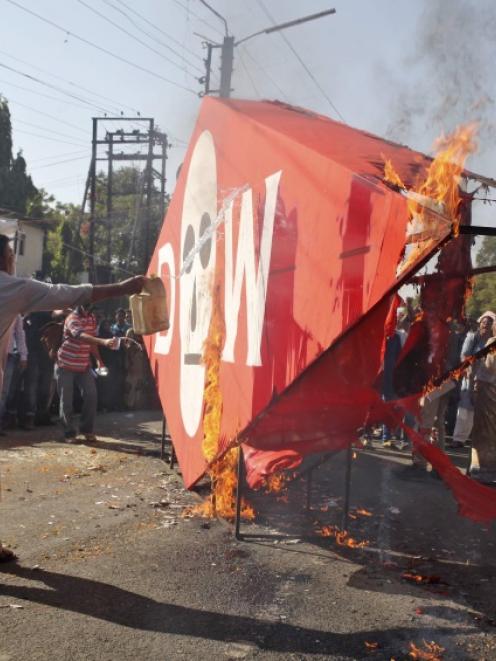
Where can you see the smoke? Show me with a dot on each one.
(447, 72)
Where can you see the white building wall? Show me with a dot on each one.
(32, 259)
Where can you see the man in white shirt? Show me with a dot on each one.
(22, 295)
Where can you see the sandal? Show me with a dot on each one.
(6, 555)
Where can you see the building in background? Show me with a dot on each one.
(29, 242)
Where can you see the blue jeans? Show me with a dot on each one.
(85, 381)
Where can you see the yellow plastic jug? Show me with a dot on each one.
(149, 308)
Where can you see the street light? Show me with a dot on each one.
(228, 45)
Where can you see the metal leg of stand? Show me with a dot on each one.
(239, 493)
(172, 459)
(162, 447)
(309, 490)
(347, 487)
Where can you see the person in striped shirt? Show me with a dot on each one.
(74, 369)
(23, 295)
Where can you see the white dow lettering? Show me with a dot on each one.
(245, 267)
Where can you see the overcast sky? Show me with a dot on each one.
(402, 69)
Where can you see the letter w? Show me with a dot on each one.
(255, 280)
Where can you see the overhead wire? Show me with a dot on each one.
(300, 60)
(130, 34)
(152, 37)
(45, 84)
(188, 10)
(66, 160)
(155, 27)
(46, 114)
(47, 137)
(55, 156)
(116, 105)
(100, 48)
(266, 73)
(43, 128)
(249, 76)
(45, 96)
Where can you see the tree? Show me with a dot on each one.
(484, 293)
(16, 186)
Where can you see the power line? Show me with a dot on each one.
(250, 78)
(151, 36)
(53, 87)
(155, 27)
(298, 57)
(130, 34)
(100, 48)
(46, 96)
(46, 114)
(266, 73)
(188, 11)
(37, 126)
(49, 158)
(116, 105)
(66, 160)
(46, 137)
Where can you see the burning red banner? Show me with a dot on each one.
(285, 216)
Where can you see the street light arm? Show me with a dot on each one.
(214, 11)
(288, 24)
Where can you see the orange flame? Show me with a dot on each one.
(362, 512)
(276, 482)
(431, 652)
(418, 578)
(439, 191)
(342, 537)
(212, 351)
(222, 471)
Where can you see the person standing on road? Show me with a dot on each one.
(22, 296)
(17, 358)
(74, 368)
(119, 329)
(465, 413)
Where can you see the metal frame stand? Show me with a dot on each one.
(347, 487)
(309, 472)
(239, 494)
(172, 455)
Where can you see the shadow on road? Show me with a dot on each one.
(110, 603)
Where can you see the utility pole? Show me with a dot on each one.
(118, 143)
(226, 66)
(91, 261)
(228, 45)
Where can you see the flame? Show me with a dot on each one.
(431, 652)
(341, 536)
(212, 351)
(418, 578)
(276, 482)
(438, 192)
(371, 645)
(390, 173)
(363, 512)
(222, 470)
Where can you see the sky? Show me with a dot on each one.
(404, 70)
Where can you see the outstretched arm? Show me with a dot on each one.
(124, 288)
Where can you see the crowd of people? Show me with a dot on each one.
(462, 410)
(79, 359)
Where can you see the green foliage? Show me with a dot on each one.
(16, 186)
(484, 293)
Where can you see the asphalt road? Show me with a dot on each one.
(109, 569)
